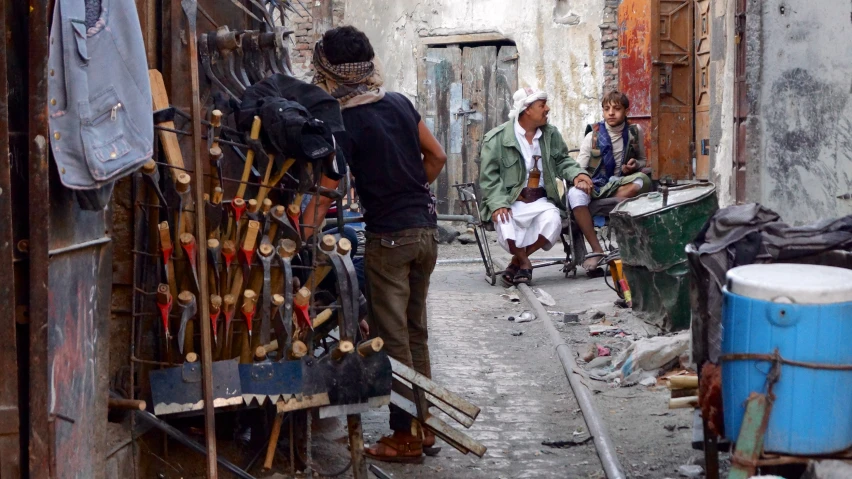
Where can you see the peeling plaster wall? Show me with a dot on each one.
(722, 72)
(799, 129)
(559, 44)
(803, 108)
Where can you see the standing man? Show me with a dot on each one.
(520, 161)
(615, 151)
(394, 158)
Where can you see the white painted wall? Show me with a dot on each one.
(563, 58)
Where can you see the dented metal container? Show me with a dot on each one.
(652, 231)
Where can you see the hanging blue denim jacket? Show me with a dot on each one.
(101, 127)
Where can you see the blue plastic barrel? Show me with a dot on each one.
(805, 312)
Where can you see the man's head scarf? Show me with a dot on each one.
(352, 84)
(523, 98)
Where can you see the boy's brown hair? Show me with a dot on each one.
(616, 97)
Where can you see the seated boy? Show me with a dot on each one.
(614, 151)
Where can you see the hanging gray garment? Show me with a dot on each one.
(101, 126)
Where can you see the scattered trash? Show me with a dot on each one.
(555, 313)
(517, 333)
(543, 297)
(571, 318)
(591, 352)
(691, 471)
(602, 350)
(597, 329)
(644, 358)
(648, 381)
(595, 314)
(599, 362)
(525, 317)
(511, 294)
(566, 444)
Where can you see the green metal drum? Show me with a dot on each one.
(652, 231)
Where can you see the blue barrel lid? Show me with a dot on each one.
(791, 283)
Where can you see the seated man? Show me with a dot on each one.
(615, 150)
(520, 161)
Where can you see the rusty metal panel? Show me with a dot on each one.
(78, 338)
(672, 60)
(655, 43)
(702, 89)
(634, 69)
(10, 447)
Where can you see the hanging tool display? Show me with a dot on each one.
(278, 314)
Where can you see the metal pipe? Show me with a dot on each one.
(537, 262)
(596, 426)
(186, 441)
(78, 246)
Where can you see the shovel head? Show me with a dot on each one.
(355, 379)
(276, 381)
(178, 390)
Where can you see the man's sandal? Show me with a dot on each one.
(391, 449)
(524, 276)
(508, 275)
(595, 272)
(429, 447)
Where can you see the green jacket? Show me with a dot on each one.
(502, 171)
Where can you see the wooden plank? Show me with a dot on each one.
(752, 432)
(443, 94)
(9, 419)
(478, 89)
(171, 145)
(505, 85)
(459, 440)
(485, 37)
(450, 398)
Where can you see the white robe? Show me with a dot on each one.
(530, 220)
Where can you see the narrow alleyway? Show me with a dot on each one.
(515, 379)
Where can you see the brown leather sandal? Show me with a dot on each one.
(429, 447)
(394, 449)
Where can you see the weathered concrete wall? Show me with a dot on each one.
(799, 131)
(559, 44)
(722, 71)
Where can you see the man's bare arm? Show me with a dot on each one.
(317, 208)
(434, 157)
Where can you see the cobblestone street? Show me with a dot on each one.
(516, 380)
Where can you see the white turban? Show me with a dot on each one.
(524, 98)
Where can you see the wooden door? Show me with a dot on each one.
(702, 89)
(655, 71)
(463, 92)
(439, 93)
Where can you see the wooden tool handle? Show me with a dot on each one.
(344, 246)
(681, 403)
(185, 298)
(150, 167)
(254, 135)
(298, 350)
(303, 297)
(683, 382)
(321, 318)
(218, 194)
(230, 303)
(183, 183)
(273, 441)
(215, 304)
(373, 346)
(249, 300)
(163, 295)
(127, 404)
(343, 348)
(191, 357)
(287, 248)
(328, 243)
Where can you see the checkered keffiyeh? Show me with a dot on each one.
(351, 84)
